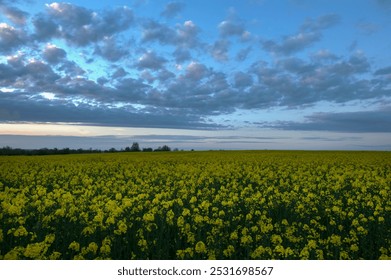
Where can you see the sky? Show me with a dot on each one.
(216, 74)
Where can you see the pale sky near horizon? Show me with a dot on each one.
(252, 74)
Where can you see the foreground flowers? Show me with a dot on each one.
(216, 205)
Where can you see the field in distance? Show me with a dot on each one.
(197, 205)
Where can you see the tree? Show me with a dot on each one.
(165, 148)
(135, 147)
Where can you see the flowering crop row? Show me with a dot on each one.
(197, 205)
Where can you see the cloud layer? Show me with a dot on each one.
(69, 63)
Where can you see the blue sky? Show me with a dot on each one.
(251, 74)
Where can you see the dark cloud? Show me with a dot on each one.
(231, 27)
(291, 44)
(161, 78)
(309, 33)
(243, 53)
(385, 5)
(367, 28)
(45, 28)
(296, 66)
(196, 71)
(119, 73)
(14, 14)
(155, 31)
(165, 75)
(356, 122)
(71, 69)
(52, 111)
(321, 23)
(33, 75)
(181, 55)
(383, 71)
(182, 36)
(151, 60)
(80, 26)
(243, 80)
(53, 54)
(324, 56)
(172, 9)
(110, 49)
(11, 38)
(219, 50)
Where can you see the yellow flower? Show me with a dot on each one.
(75, 246)
(234, 235)
(311, 244)
(185, 212)
(122, 228)
(118, 196)
(36, 251)
(21, 231)
(180, 221)
(354, 248)
(55, 256)
(92, 247)
(304, 254)
(200, 247)
(15, 253)
(343, 255)
(335, 239)
(276, 239)
(246, 240)
(229, 251)
(170, 217)
(143, 244)
(257, 253)
(148, 217)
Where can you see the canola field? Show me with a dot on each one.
(197, 205)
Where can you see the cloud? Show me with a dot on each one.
(291, 44)
(155, 31)
(367, 28)
(219, 50)
(243, 53)
(110, 49)
(230, 27)
(355, 122)
(243, 80)
(45, 27)
(33, 75)
(57, 111)
(182, 36)
(119, 73)
(53, 54)
(324, 55)
(172, 9)
(383, 71)
(321, 23)
(14, 14)
(11, 38)
(181, 55)
(385, 5)
(308, 34)
(196, 71)
(80, 26)
(150, 60)
(167, 74)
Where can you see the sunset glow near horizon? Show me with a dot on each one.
(253, 74)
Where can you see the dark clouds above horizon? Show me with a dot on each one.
(185, 64)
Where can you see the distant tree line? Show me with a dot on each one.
(65, 151)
